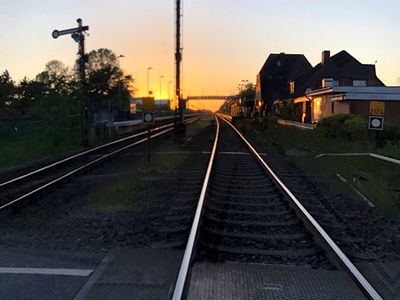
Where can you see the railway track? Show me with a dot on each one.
(38, 180)
(246, 214)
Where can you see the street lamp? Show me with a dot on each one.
(148, 89)
(169, 85)
(161, 77)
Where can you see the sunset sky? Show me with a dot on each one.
(224, 41)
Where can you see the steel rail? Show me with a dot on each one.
(361, 281)
(69, 158)
(69, 174)
(184, 269)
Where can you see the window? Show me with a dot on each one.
(292, 86)
(359, 83)
(333, 107)
(317, 110)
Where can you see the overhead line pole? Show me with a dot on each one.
(178, 59)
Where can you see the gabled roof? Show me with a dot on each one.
(341, 65)
(288, 66)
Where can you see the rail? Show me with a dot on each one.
(80, 154)
(69, 174)
(183, 271)
(332, 248)
(103, 157)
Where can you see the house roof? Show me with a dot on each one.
(289, 66)
(340, 65)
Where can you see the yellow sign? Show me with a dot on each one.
(148, 103)
(376, 108)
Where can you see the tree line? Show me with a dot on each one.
(57, 88)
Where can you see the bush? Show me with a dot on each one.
(333, 126)
(355, 128)
(352, 127)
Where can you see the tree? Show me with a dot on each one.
(248, 93)
(7, 92)
(105, 81)
(29, 93)
(57, 78)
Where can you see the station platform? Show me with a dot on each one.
(225, 281)
(65, 275)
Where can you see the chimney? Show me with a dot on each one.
(326, 55)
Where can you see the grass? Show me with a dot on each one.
(34, 141)
(38, 141)
(378, 180)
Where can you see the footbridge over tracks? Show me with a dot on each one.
(229, 99)
(212, 98)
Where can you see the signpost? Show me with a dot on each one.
(148, 118)
(375, 123)
(377, 108)
(77, 34)
(376, 119)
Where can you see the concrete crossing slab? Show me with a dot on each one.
(385, 277)
(134, 274)
(44, 274)
(245, 281)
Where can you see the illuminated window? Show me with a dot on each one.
(292, 86)
(316, 109)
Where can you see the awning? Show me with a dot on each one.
(301, 99)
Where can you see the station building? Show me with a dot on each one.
(365, 101)
(337, 85)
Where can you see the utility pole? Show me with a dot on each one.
(77, 34)
(178, 60)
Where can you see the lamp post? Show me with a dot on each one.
(148, 80)
(161, 77)
(169, 85)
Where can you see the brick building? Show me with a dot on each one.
(272, 80)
